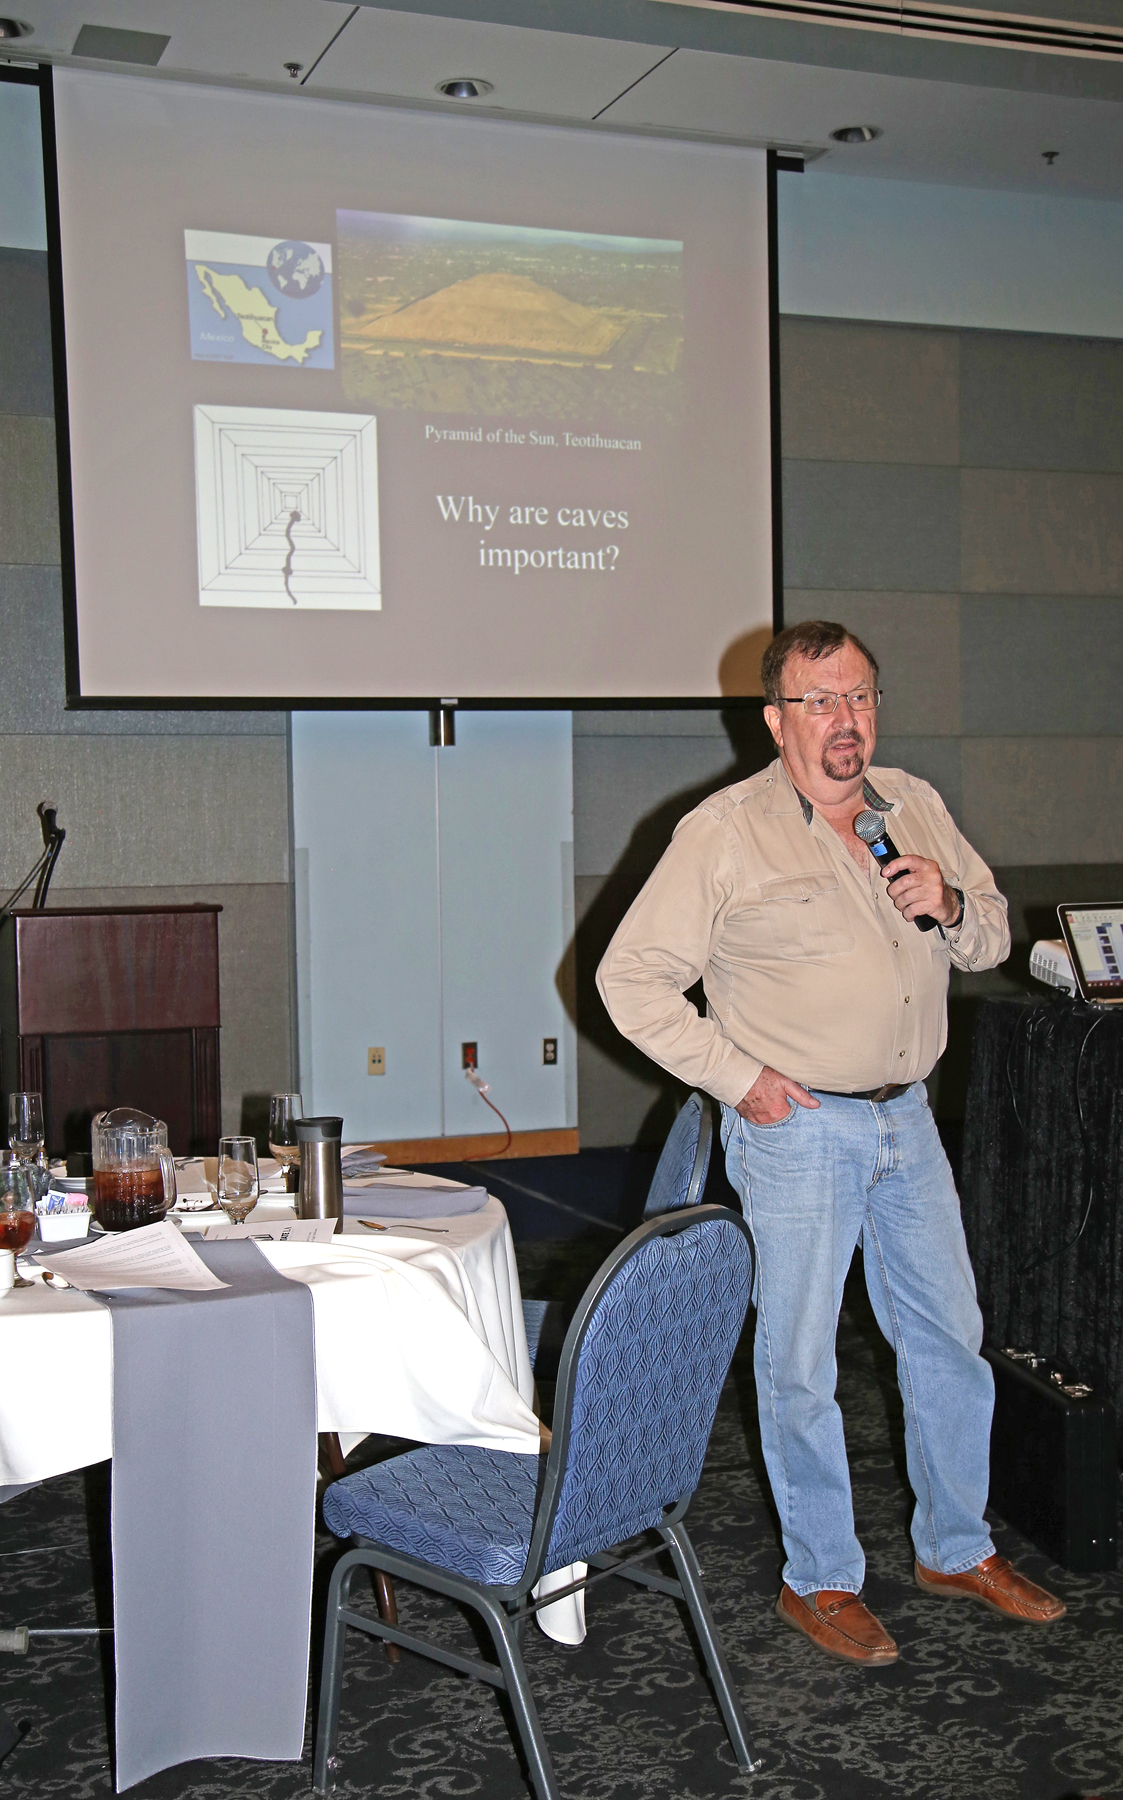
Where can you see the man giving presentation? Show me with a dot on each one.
(826, 1009)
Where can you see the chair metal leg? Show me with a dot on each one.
(331, 1455)
(331, 1679)
(690, 1575)
(387, 1608)
(504, 1632)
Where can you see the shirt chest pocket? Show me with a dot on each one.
(805, 916)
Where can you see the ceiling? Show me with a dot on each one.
(952, 113)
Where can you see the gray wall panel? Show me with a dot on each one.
(1040, 403)
(1043, 665)
(253, 958)
(936, 760)
(29, 484)
(861, 525)
(1044, 800)
(1042, 533)
(626, 791)
(25, 334)
(158, 812)
(869, 393)
(915, 638)
(670, 721)
(33, 692)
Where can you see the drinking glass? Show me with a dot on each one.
(21, 1185)
(237, 1187)
(25, 1126)
(284, 1111)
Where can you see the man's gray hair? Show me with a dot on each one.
(812, 638)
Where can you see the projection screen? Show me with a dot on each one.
(367, 405)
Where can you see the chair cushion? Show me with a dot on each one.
(455, 1505)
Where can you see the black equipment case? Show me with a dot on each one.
(1053, 1467)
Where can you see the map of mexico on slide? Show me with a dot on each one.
(259, 300)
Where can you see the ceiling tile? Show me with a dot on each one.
(235, 38)
(549, 73)
(933, 130)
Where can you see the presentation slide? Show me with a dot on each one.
(367, 404)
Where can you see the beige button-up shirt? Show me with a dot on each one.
(806, 963)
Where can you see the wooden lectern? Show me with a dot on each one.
(104, 1007)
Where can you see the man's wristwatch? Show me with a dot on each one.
(958, 919)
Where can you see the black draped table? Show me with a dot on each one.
(1041, 1179)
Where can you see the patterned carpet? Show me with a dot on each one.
(976, 1709)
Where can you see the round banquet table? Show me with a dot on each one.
(418, 1335)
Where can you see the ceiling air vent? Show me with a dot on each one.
(955, 24)
(105, 43)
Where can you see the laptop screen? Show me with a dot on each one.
(1094, 935)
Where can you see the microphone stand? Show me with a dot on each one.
(43, 867)
(53, 839)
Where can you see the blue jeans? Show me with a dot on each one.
(812, 1186)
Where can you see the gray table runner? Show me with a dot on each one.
(214, 1486)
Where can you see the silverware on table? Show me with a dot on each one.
(406, 1225)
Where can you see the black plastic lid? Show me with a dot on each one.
(317, 1131)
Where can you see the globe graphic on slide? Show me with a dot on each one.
(296, 270)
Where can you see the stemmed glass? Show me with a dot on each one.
(237, 1184)
(284, 1111)
(25, 1126)
(21, 1185)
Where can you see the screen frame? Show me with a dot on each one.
(76, 700)
(1063, 914)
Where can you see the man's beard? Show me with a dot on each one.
(842, 756)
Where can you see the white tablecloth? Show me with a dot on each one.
(419, 1334)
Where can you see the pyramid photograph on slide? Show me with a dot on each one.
(287, 509)
(457, 316)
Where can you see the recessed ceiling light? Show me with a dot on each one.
(856, 134)
(464, 87)
(14, 28)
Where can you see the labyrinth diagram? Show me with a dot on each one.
(287, 508)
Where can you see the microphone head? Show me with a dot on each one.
(869, 826)
(47, 806)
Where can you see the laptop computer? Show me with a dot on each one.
(1093, 933)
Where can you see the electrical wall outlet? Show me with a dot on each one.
(469, 1056)
(549, 1050)
(376, 1060)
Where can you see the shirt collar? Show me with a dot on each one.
(786, 796)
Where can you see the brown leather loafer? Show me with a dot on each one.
(997, 1584)
(838, 1623)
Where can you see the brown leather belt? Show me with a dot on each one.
(889, 1092)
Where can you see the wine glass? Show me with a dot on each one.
(284, 1111)
(237, 1185)
(21, 1185)
(25, 1126)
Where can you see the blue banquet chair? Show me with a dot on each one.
(684, 1161)
(679, 1180)
(642, 1369)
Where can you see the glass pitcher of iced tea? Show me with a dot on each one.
(134, 1175)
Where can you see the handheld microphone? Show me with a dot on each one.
(870, 827)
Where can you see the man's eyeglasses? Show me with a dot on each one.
(820, 702)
